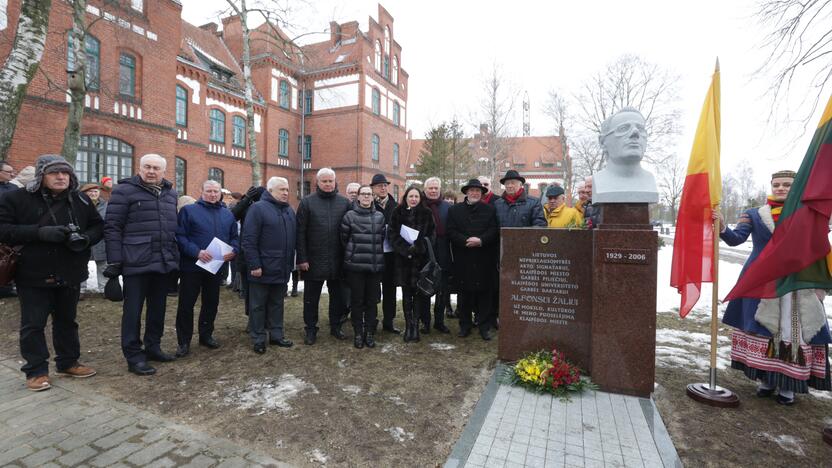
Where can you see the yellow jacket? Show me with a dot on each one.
(563, 217)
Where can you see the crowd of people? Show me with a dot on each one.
(366, 247)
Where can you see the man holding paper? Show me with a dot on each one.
(207, 238)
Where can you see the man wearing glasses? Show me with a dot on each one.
(488, 197)
(6, 175)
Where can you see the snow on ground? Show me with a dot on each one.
(268, 394)
(317, 456)
(788, 443)
(351, 389)
(399, 434)
(442, 346)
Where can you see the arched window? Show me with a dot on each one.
(396, 112)
(375, 147)
(387, 39)
(395, 155)
(283, 143)
(238, 137)
(216, 174)
(217, 118)
(395, 76)
(377, 62)
(181, 106)
(181, 176)
(100, 156)
(376, 101)
(284, 94)
(127, 75)
(92, 49)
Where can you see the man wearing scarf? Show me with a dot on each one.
(386, 204)
(54, 225)
(439, 208)
(780, 342)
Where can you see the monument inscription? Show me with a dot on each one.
(632, 256)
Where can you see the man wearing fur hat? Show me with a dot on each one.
(54, 225)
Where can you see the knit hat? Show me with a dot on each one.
(379, 179)
(47, 164)
(554, 191)
(104, 181)
(786, 174)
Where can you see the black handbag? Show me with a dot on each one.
(430, 276)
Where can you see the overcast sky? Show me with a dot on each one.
(449, 46)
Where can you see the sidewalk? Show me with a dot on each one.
(69, 425)
(512, 427)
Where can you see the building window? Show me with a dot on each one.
(386, 70)
(217, 118)
(127, 75)
(395, 76)
(181, 176)
(217, 175)
(377, 62)
(283, 100)
(376, 101)
(100, 156)
(307, 102)
(181, 106)
(92, 49)
(387, 39)
(238, 137)
(396, 111)
(137, 5)
(283, 143)
(307, 148)
(375, 147)
(395, 155)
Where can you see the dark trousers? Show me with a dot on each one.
(36, 305)
(312, 298)
(365, 292)
(244, 289)
(418, 302)
(388, 290)
(295, 278)
(191, 284)
(479, 303)
(150, 288)
(266, 311)
(442, 299)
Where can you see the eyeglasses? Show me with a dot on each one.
(627, 128)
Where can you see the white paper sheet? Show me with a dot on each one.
(218, 249)
(409, 234)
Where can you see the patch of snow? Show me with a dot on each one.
(442, 346)
(342, 363)
(668, 299)
(352, 389)
(681, 337)
(279, 444)
(823, 395)
(669, 357)
(788, 443)
(317, 456)
(399, 434)
(268, 394)
(389, 348)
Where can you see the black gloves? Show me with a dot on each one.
(113, 270)
(255, 192)
(55, 234)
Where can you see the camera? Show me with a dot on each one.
(76, 241)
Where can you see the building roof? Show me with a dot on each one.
(204, 49)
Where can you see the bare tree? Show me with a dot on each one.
(587, 156)
(77, 80)
(800, 44)
(671, 181)
(631, 81)
(557, 109)
(21, 65)
(496, 109)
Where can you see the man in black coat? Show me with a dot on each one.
(472, 230)
(140, 234)
(319, 253)
(54, 225)
(439, 208)
(386, 204)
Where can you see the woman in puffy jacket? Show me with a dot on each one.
(362, 235)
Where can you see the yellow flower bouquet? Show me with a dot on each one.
(549, 372)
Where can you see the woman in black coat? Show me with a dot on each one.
(410, 258)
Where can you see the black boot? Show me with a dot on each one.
(369, 338)
(408, 320)
(358, 340)
(311, 336)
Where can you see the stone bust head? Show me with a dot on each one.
(623, 140)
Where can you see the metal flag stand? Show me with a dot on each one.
(710, 393)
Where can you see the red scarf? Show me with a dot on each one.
(487, 197)
(434, 207)
(512, 199)
(776, 208)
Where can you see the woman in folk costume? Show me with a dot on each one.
(780, 342)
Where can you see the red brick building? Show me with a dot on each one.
(158, 84)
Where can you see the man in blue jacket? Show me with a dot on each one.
(199, 224)
(140, 235)
(269, 242)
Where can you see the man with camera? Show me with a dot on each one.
(54, 225)
(140, 231)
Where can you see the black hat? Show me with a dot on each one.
(554, 191)
(474, 183)
(511, 174)
(379, 179)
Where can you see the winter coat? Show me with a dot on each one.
(592, 214)
(524, 212)
(319, 244)
(198, 225)
(362, 236)
(442, 246)
(387, 211)
(48, 264)
(473, 267)
(99, 251)
(140, 228)
(410, 258)
(7, 187)
(269, 237)
(563, 217)
(239, 211)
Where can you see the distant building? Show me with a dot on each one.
(158, 84)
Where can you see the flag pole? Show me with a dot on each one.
(715, 305)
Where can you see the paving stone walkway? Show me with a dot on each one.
(69, 425)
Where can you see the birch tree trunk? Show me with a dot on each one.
(256, 178)
(21, 65)
(77, 82)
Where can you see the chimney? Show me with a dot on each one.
(210, 27)
(349, 30)
(483, 129)
(334, 32)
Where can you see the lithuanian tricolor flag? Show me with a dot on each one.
(797, 256)
(693, 252)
